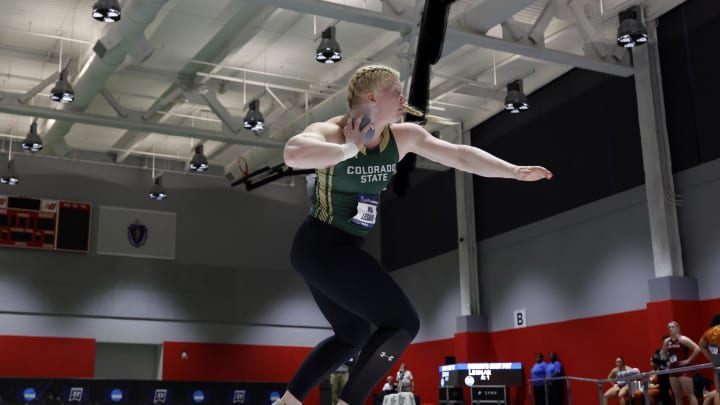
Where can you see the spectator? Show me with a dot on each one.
(539, 372)
(557, 387)
(677, 348)
(620, 388)
(709, 344)
(653, 385)
(390, 387)
(405, 380)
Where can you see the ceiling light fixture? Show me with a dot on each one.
(32, 141)
(515, 100)
(631, 32)
(106, 11)
(329, 50)
(63, 91)
(157, 192)
(9, 176)
(199, 162)
(254, 119)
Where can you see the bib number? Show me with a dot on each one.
(673, 359)
(366, 210)
(713, 349)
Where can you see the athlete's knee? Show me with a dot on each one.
(356, 336)
(412, 325)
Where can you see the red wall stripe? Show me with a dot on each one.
(587, 347)
(229, 362)
(31, 356)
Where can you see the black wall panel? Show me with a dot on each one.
(583, 127)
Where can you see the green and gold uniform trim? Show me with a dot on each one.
(337, 189)
(323, 186)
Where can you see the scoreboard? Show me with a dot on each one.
(45, 224)
(472, 374)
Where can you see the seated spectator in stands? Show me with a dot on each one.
(390, 387)
(619, 389)
(653, 386)
(702, 389)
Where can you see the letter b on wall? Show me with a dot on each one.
(519, 318)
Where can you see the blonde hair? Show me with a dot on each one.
(371, 78)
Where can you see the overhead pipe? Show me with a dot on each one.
(109, 52)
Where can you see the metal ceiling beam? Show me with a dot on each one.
(109, 52)
(241, 27)
(330, 106)
(455, 34)
(491, 13)
(133, 121)
(653, 8)
(336, 11)
(534, 52)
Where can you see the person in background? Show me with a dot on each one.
(390, 387)
(405, 379)
(619, 389)
(538, 373)
(338, 379)
(709, 344)
(702, 387)
(663, 379)
(653, 386)
(677, 348)
(557, 387)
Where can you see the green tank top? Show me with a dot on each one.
(347, 194)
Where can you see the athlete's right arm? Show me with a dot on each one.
(703, 343)
(311, 149)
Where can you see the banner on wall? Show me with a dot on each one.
(136, 233)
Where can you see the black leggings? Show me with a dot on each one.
(353, 292)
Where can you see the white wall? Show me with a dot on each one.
(590, 261)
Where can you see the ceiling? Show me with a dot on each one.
(175, 73)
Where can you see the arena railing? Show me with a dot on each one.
(641, 378)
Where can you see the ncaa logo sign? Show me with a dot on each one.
(116, 395)
(198, 396)
(239, 397)
(29, 394)
(76, 394)
(160, 396)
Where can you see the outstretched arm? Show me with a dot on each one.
(413, 138)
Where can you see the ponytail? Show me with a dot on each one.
(433, 118)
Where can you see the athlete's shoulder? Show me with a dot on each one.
(407, 132)
(329, 130)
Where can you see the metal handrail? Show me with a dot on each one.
(644, 377)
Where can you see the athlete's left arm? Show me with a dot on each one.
(703, 344)
(687, 342)
(412, 138)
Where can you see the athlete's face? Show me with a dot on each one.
(673, 329)
(389, 100)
